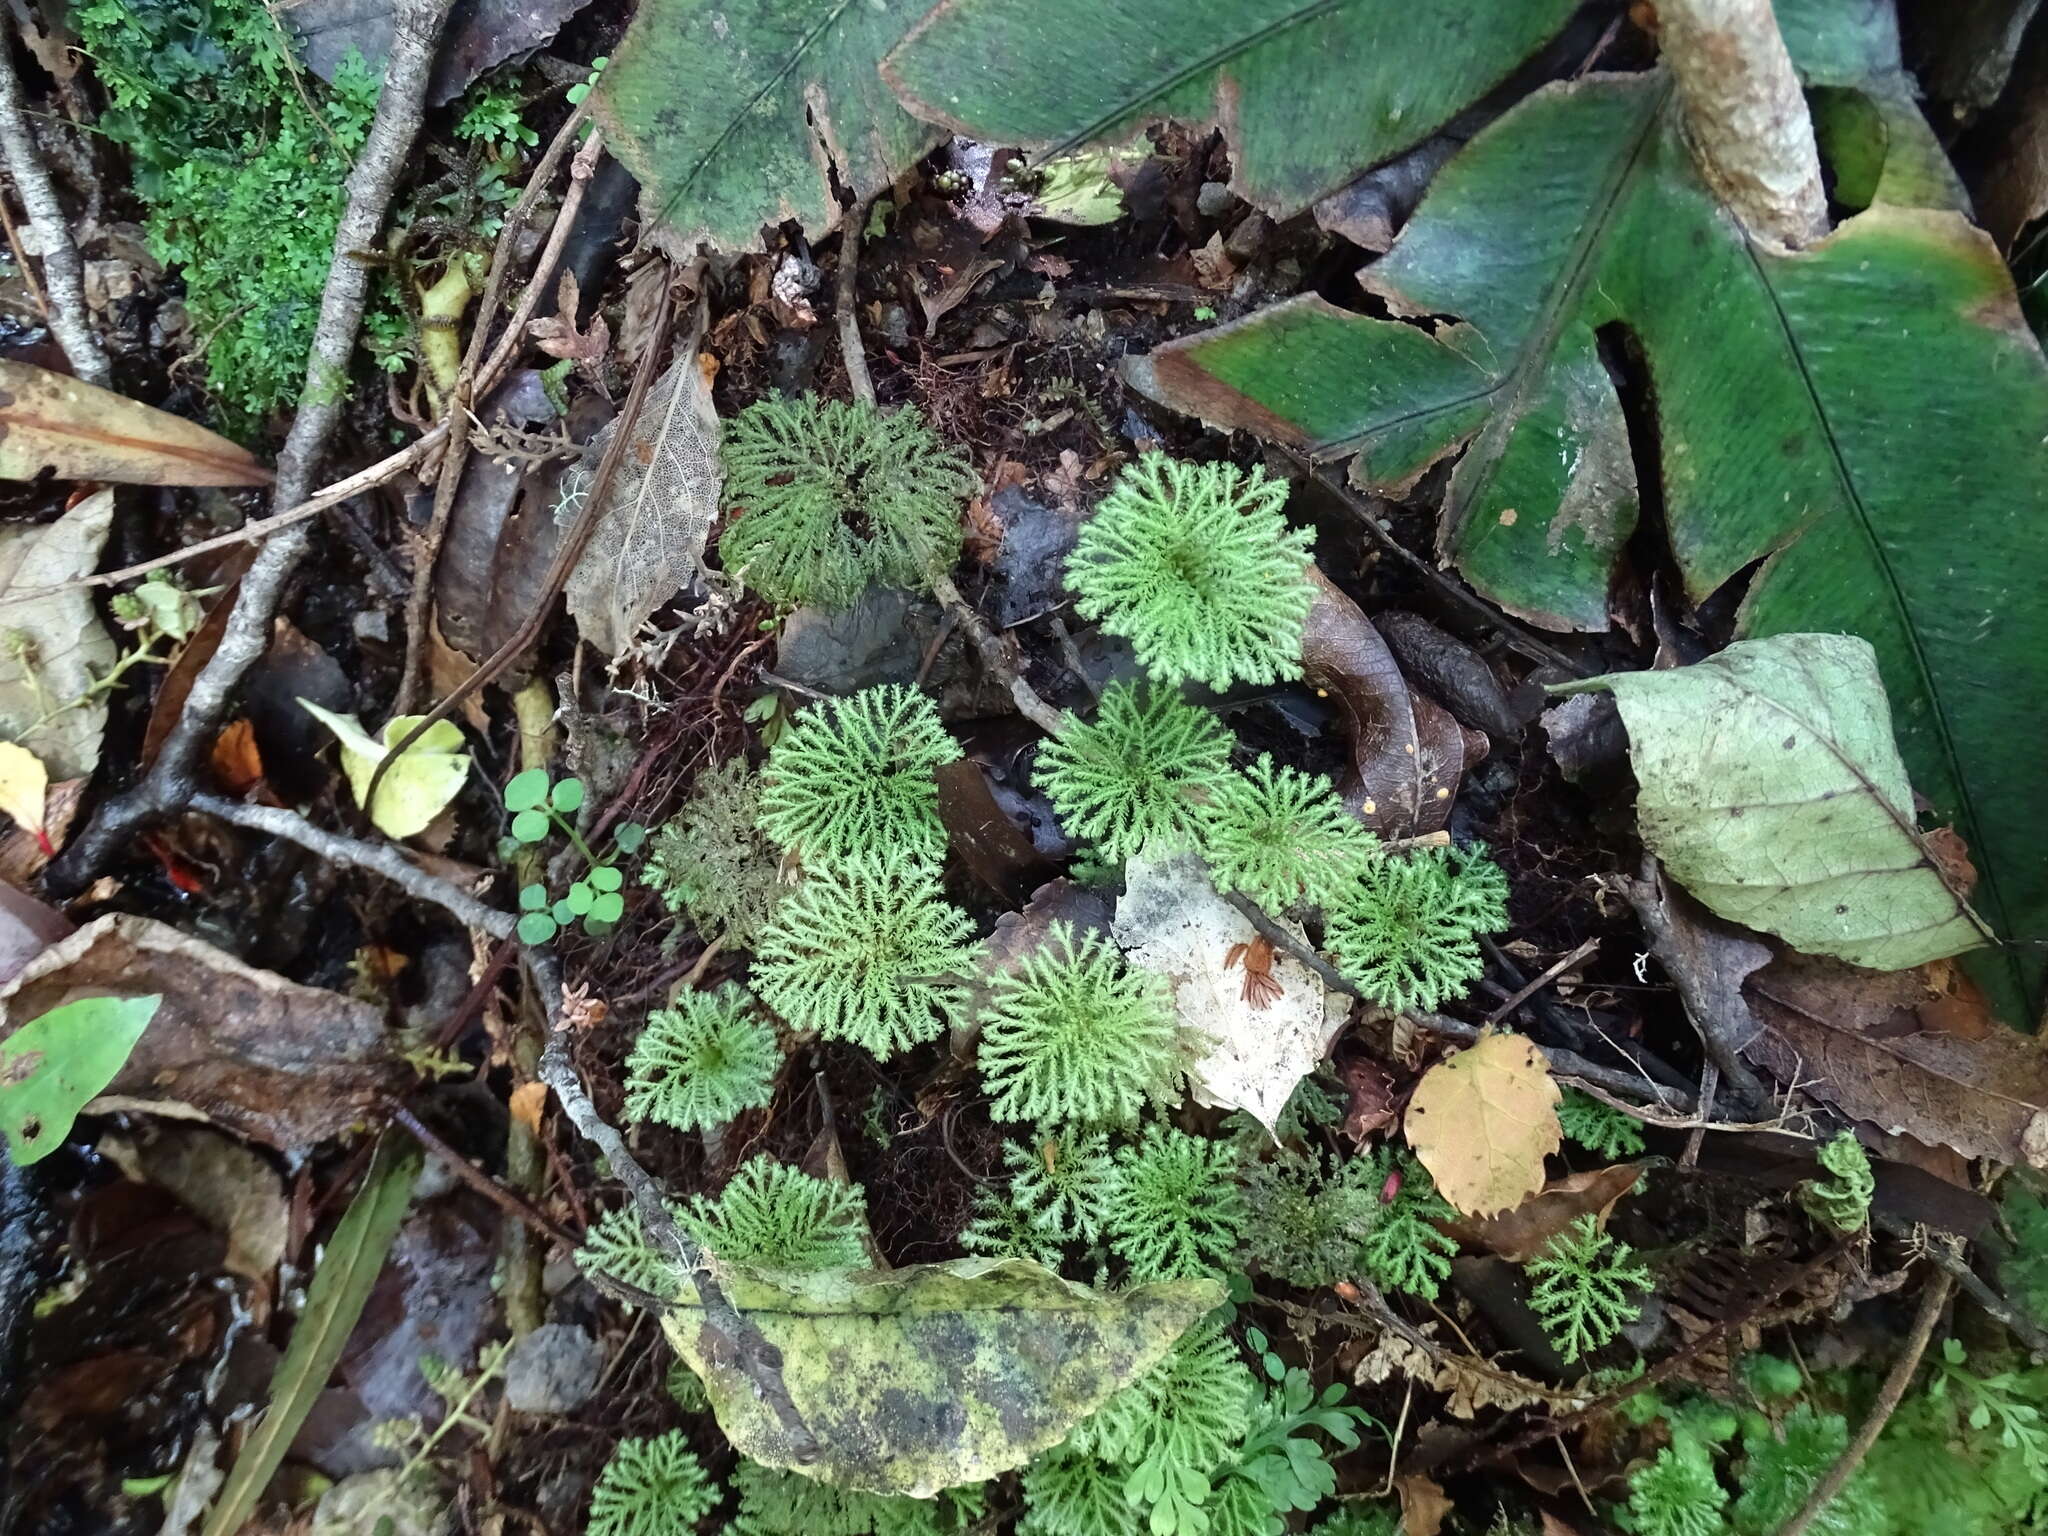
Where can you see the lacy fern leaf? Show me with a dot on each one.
(1070, 1495)
(1282, 837)
(867, 952)
(1586, 1288)
(1064, 1181)
(1782, 1468)
(827, 497)
(773, 1502)
(712, 863)
(1312, 1222)
(1195, 565)
(1406, 929)
(1138, 771)
(1677, 1494)
(854, 776)
(1001, 1229)
(652, 1487)
(1842, 1199)
(618, 1246)
(1406, 1250)
(1599, 1128)
(1072, 1034)
(771, 1216)
(1177, 1211)
(698, 1064)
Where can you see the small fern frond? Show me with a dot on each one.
(828, 497)
(1782, 1468)
(1072, 1034)
(771, 1216)
(1070, 1495)
(698, 1064)
(866, 951)
(1587, 1289)
(1195, 565)
(1063, 1181)
(1677, 1495)
(1406, 1250)
(1177, 1211)
(651, 1487)
(1312, 1222)
(1360, 1517)
(1282, 837)
(854, 776)
(618, 1246)
(1183, 1414)
(1138, 771)
(1406, 929)
(711, 862)
(1599, 1128)
(1000, 1228)
(1842, 1199)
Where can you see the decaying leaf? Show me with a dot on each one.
(1771, 789)
(1872, 1044)
(24, 787)
(649, 540)
(1423, 1505)
(23, 854)
(1469, 1384)
(58, 1062)
(420, 784)
(282, 1064)
(988, 842)
(53, 648)
(78, 431)
(1522, 1233)
(1256, 1044)
(918, 1379)
(1482, 1122)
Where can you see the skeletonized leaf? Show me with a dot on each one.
(1772, 790)
(57, 1063)
(419, 785)
(53, 648)
(649, 542)
(78, 431)
(913, 1380)
(1483, 1121)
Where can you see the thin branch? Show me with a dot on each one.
(1969, 1282)
(63, 272)
(1530, 988)
(480, 1181)
(844, 302)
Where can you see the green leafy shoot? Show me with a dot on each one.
(617, 1245)
(1072, 1034)
(1360, 1517)
(1288, 1464)
(699, 1063)
(1142, 769)
(1282, 837)
(827, 497)
(1063, 1180)
(1195, 565)
(1072, 1495)
(867, 952)
(1406, 1250)
(1587, 1288)
(540, 807)
(1783, 1464)
(651, 1487)
(1599, 1128)
(1312, 1222)
(1177, 1211)
(1841, 1200)
(1406, 930)
(1001, 1229)
(2023, 1273)
(854, 776)
(58, 1062)
(771, 1216)
(773, 1502)
(1677, 1494)
(712, 863)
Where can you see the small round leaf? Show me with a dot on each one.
(533, 898)
(609, 907)
(630, 837)
(530, 826)
(567, 795)
(564, 913)
(536, 928)
(580, 898)
(526, 790)
(605, 878)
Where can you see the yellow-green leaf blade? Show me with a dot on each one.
(419, 785)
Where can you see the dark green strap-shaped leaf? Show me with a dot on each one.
(341, 1285)
(1308, 92)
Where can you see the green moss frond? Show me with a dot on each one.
(1677, 1495)
(854, 776)
(1000, 1228)
(1599, 1128)
(867, 952)
(1073, 1034)
(1063, 1180)
(1177, 1210)
(1070, 1495)
(651, 1488)
(1140, 770)
(1360, 1517)
(1186, 1412)
(698, 1064)
(771, 1216)
(828, 497)
(1282, 837)
(1842, 1199)
(1406, 929)
(1405, 1250)
(618, 1246)
(1312, 1220)
(773, 1502)
(712, 863)
(1783, 1466)
(1195, 565)
(1587, 1287)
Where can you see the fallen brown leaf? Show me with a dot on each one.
(1522, 1233)
(1371, 1109)
(1483, 1121)
(22, 854)
(1423, 1505)
(78, 431)
(237, 765)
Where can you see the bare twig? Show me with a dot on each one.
(385, 157)
(844, 301)
(1881, 1411)
(478, 1180)
(70, 320)
(1531, 988)
(1969, 1282)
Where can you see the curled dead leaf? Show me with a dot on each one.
(1522, 1233)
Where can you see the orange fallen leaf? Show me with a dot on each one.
(527, 1102)
(24, 785)
(1522, 1233)
(1483, 1121)
(236, 763)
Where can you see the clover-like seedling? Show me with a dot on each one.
(1282, 837)
(1587, 1287)
(651, 1487)
(1177, 1211)
(827, 497)
(771, 1216)
(854, 775)
(1195, 565)
(1406, 930)
(540, 807)
(702, 1061)
(1141, 770)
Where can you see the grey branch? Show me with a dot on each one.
(63, 273)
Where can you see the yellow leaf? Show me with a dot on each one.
(24, 785)
(419, 785)
(1483, 1121)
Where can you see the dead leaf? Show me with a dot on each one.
(53, 648)
(940, 299)
(1423, 1505)
(1170, 920)
(233, 1189)
(1856, 1039)
(1017, 934)
(1213, 267)
(265, 1058)
(22, 857)
(236, 763)
(1407, 753)
(1483, 1121)
(1371, 1109)
(991, 845)
(1469, 1384)
(78, 431)
(447, 670)
(649, 540)
(527, 1102)
(1522, 1233)
(24, 787)
(558, 336)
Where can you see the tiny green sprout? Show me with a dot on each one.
(854, 776)
(1406, 929)
(1842, 1199)
(1282, 837)
(582, 88)
(540, 807)
(699, 1063)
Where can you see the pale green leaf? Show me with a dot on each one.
(918, 1379)
(1770, 787)
(58, 1062)
(419, 785)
